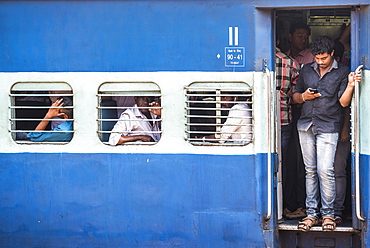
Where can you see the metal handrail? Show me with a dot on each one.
(269, 162)
(357, 152)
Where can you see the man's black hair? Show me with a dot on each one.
(321, 45)
(299, 25)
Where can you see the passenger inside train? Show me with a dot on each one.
(139, 123)
(30, 108)
(62, 132)
(238, 125)
(298, 37)
(319, 126)
(294, 183)
(54, 96)
(287, 72)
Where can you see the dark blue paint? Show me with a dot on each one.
(124, 200)
(116, 36)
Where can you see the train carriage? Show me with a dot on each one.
(179, 190)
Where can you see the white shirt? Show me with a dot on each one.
(132, 122)
(238, 126)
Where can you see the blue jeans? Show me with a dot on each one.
(318, 152)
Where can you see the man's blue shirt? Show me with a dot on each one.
(53, 136)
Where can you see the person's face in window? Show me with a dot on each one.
(142, 101)
(299, 39)
(227, 101)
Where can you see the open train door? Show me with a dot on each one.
(360, 123)
(353, 232)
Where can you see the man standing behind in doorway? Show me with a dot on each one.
(295, 192)
(287, 71)
(324, 87)
(298, 38)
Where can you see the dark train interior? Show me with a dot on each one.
(328, 22)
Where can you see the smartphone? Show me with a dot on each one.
(314, 90)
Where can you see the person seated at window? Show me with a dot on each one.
(237, 127)
(57, 134)
(58, 120)
(137, 124)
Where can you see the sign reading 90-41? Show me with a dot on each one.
(234, 56)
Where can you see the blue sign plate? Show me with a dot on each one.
(234, 56)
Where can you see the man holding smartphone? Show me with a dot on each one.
(319, 126)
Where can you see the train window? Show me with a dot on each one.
(41, 112)
(129, 113)
(219, 113)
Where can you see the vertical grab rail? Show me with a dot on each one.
(269, 126)
(277, 149)
(357, 148)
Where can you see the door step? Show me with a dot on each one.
(288, 227)
(344, 236)
(292, 225)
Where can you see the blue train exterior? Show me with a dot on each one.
(171, 194)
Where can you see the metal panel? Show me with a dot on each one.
(88, 36)
(131, 200)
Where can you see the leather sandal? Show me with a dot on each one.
(305, 226)
(329, 225)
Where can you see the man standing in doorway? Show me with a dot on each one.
(298, 38)
(295, 192)
(287, 71)
(323, 87)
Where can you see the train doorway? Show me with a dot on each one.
(335, 23)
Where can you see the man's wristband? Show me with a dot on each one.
(303, 98)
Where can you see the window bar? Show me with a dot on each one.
(218, 114)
